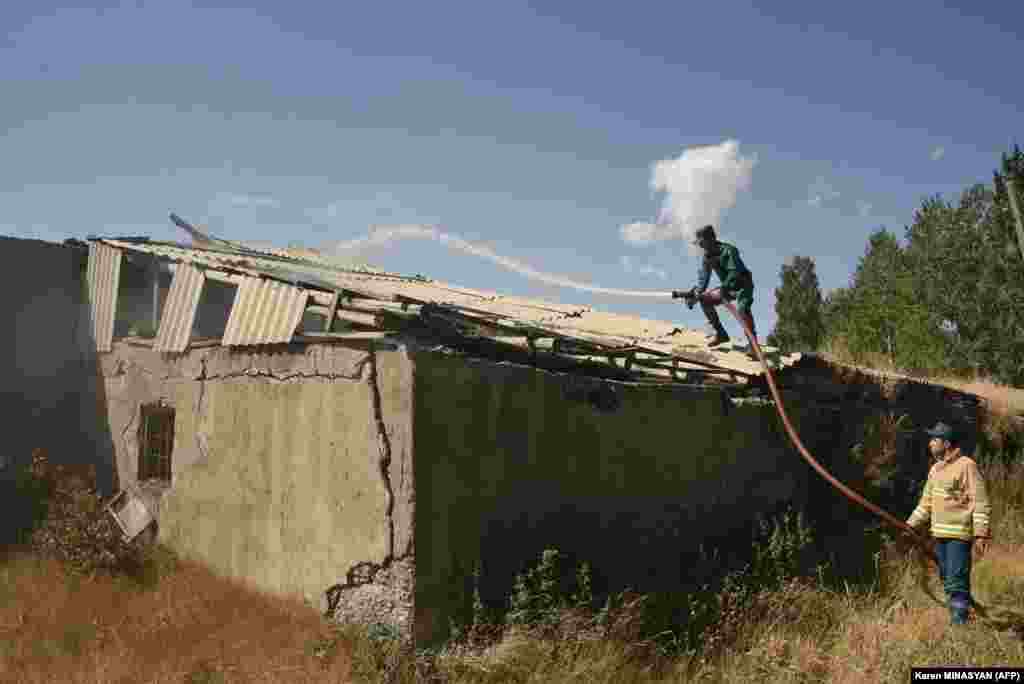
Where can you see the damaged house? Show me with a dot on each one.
(370, 441)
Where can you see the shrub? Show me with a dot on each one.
(783, 549)
(69, 524)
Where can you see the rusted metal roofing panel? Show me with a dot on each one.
(180, 310)
(264, 312)
(103, 275)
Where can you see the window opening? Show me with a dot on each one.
(156, 442)
(214, 309)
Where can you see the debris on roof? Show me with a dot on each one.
(277, 288)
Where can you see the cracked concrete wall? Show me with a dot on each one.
(50, 396)
(291, 466)
(511, 460)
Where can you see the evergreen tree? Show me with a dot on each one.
(968, 273)
(798, 307)
(879, 315)
(952, 298)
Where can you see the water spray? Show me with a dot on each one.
(384, 236)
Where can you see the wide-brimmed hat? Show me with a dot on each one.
(942, 431)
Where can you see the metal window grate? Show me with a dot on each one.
(156, 442)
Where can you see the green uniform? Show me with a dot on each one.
(737, 281)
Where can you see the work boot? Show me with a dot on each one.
(959, 609)
(721, 337)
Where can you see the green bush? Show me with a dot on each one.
(784, 549)
(542, 592)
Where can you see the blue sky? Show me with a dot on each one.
(531, 128)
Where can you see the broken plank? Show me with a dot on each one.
(360, 335)
(332, 309)
(213, 342)
(344, 315)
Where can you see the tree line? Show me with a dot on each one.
(947, 298)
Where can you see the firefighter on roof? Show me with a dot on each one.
(737, 283)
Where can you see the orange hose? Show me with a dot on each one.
(922, 541)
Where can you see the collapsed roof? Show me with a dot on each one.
(278, 288)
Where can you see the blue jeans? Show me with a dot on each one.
(955, 571)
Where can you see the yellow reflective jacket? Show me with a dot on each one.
(954, 500)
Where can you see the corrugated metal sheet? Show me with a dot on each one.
(577, 322)
(180, 310)
(218, 259)
(103, 275)
(264, 312)
(224, 257)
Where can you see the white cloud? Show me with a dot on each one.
(864, 208)
(821, 192)
(938, 153)
(699, 186)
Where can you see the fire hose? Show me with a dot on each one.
(922, 541)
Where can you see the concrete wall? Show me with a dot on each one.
(510, 460)
(291, 465)
(50, 396)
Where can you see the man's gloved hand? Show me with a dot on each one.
(689, 296)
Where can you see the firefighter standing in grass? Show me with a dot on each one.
(956, 503)
(736, 283)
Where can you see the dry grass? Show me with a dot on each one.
(1003, 406)
(192, 627)
(1002, 399)
(799, 633)
(195, 627)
